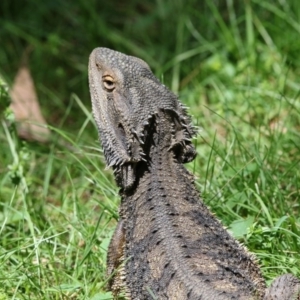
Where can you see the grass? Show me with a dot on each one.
(235, 66)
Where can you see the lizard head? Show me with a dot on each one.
(125, 98)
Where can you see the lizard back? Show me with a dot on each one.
(175, 247)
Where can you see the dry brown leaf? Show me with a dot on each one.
(277, 124)
(31, 124)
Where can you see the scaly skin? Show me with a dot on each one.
(167, 244)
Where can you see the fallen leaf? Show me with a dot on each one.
(31, 124)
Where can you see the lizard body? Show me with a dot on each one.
(167, 244)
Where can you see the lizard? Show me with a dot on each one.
(167, 244)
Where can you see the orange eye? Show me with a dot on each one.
(108, 83)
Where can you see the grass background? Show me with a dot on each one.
(234, 63)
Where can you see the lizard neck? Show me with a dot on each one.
(164, 155)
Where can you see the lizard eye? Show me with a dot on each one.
(108, 83)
